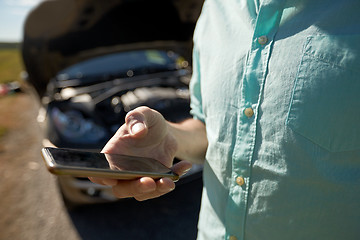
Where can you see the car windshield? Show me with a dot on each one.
(120, 65)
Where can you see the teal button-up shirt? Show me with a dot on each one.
(277, 84)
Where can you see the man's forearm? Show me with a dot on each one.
(191, 139)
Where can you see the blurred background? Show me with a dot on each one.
(31, 205)
(12, 17)
(24, 213)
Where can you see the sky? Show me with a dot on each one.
(12, 17)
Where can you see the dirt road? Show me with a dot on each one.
(30, 206)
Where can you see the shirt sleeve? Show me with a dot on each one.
(195, 89)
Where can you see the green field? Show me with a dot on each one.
(10, 68)
(10, 62)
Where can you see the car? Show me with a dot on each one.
(86, 86)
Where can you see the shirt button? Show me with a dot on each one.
(249, 112)
(240, 181)
(262, 40)
(232, 238)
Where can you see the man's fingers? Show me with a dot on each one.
(136, 123)
(141, 119)
(143, 189)
(163, 186)
(181, 167)
(104, 181)
(143, 127)
(144, 114)
(132, 188)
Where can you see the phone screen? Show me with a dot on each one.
(61, 160)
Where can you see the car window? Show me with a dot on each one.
(119, 65)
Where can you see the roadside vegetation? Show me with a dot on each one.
(10, 69)
(10, 62)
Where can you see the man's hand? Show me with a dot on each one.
(145, 133)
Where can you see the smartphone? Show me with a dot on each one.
(62, 161)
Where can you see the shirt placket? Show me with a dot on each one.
(255, 72)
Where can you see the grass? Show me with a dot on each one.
(10, 62)
(3, 130)
(10, 68)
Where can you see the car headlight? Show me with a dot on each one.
(74, 127)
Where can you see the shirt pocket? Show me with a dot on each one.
(325, 104)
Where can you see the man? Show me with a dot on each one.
(275, 100)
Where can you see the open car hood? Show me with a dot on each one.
(60, 33)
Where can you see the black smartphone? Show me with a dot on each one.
(62, 161)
